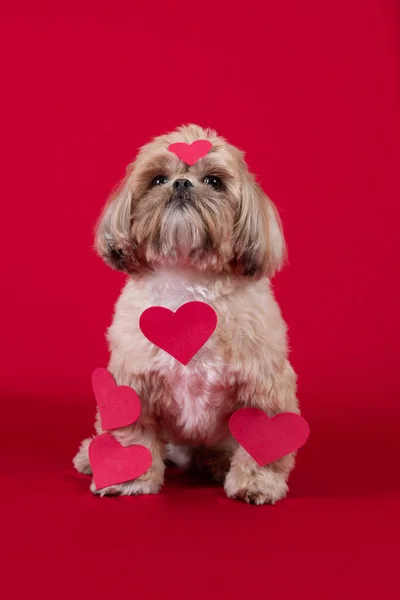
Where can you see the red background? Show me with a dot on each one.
(310, 91)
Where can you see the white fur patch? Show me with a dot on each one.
(193, 385)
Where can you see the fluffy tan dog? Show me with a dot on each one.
(206, 233)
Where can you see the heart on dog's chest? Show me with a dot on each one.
(181, 333)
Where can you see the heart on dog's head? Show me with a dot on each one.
(191, 153)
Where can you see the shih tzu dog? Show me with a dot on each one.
(205, 232)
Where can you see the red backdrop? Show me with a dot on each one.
(310, 91)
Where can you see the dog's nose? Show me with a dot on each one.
(182, 184)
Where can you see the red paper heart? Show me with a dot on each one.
(119, 406)
(182, 333)
(191, 153)
(268, 439)
(112, 463)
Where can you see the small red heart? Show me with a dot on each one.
(268, 439)
(191, 153)
(112, 463)
(119, 406)
(182, 333)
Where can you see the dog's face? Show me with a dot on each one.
(211, 216)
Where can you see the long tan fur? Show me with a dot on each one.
(219, 246)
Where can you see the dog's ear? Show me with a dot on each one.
(259, 244)
(113, 240)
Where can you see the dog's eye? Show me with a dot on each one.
(159, 180)
(214, 181)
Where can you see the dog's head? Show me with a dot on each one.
(211, 216)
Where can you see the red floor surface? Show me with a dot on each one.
(310, 89)
(336, 536)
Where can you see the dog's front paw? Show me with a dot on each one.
(260, 486)
(149, 483)
(81, 460)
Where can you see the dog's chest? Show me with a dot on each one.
(198, 399)
(198, 392)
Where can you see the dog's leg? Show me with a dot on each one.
(144, 432)
(246, 480)
(151, 481)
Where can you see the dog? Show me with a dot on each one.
(205, 233)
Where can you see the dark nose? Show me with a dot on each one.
(182, 184)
